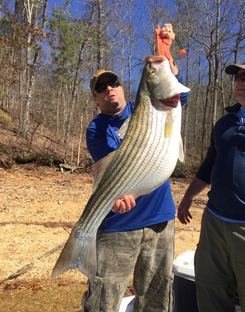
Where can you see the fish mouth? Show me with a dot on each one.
(172, 102)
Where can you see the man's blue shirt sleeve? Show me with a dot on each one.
(204, 172)
(102, 135)
(183, 96)
(101, 143)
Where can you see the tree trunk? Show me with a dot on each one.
(26, 120)
(186, 107)
(216, 66)
(208, 100)
(76, 80)
(100, 30)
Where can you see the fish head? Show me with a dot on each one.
(162, 85)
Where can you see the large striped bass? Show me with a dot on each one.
(145, 159)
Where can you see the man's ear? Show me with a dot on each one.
(95, 100)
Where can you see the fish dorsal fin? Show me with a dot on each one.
(122, 131)
(99, 169)
(181, 150)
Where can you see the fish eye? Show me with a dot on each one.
(152, 72)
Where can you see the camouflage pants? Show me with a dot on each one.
(149, 253)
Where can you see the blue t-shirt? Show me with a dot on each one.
(154, 208)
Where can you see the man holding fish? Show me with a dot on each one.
(135, 147)
(136, 235)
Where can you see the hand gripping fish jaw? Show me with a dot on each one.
(163, 38)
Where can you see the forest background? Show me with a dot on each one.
(50, 49)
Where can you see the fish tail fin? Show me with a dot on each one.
(77, 253)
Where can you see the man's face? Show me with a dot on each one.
(111, 101)
(240, 89)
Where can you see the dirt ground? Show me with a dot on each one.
(38, 208)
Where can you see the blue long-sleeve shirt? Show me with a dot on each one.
(224, 167)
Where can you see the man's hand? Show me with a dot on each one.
(196, 187)
(183, 213)
(124, 204)
(163, 38)
(167, 33)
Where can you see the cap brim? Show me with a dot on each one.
(233, 69)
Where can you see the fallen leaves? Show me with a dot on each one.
(17, 286)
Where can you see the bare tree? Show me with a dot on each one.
(76, 78)
(207, 25)
(100, 30)
(26, 121)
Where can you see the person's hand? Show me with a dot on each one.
(167, 32)
(163, 39)
(124, 204)
(157, 32)
(184, 214)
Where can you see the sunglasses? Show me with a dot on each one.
(102, 87)
(240, 76)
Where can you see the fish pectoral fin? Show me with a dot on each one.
(122, 131)
(77, 253)
(169, 126)
(99, 169)
(181, 150)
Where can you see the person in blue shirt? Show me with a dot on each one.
(136, 236)
(220, 254)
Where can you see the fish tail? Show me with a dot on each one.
(77, 253)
